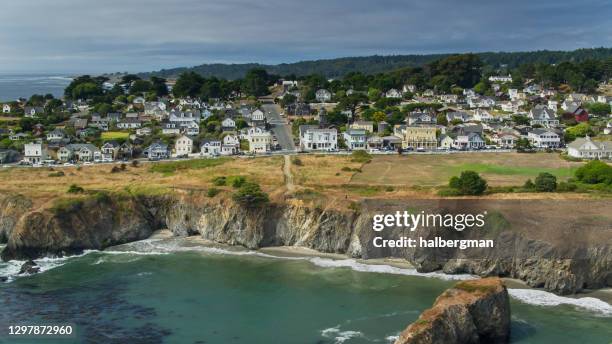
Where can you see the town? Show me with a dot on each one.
(460, 107)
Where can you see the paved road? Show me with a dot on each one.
(279, 125)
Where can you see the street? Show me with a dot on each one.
(279, 126)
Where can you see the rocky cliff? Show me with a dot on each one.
(549, 248)
(475, 311)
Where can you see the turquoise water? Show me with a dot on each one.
(203, 297)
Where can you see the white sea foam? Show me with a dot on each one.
(544, 298)
(11, 268)
(392, 339)
(340, 336)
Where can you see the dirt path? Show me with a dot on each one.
(288, 175)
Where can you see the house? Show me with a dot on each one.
(323, 95)
(569, 106)
(79, 123)
(146, 131)
(157, 151)
(449, 98)
(355, 139)
(457, 116)
(6, 108)
(393, 93)
(210, 148)
(480, 102)
(18, 137)
(365, 125)
(191, 129)
(85, 152)
(581, 115)
(312, 138)
(608, 129)
(298, 109)
(469, 142)
(139, 100)
(183, 146)
(31, 111)
(482, 115)
(228, 124)
(34, 153)
(542, 115)
(258, 119)
(260, 141)
(409, 88)
(417, 137)
(585, 148)
(170, 128)
(446, 142)
(420, 118)
(110, 150)
(129, 123)
(500, 78)
(504, 139)
(56, 135)
(230, 145)
(544, 138)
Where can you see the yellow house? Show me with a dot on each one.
(421, 137)
(365, 125)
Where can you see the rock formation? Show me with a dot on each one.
(471, 312)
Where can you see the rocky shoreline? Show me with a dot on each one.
(540, 257)
(475, 311)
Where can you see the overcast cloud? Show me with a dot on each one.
(142, 35)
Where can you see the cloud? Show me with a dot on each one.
(140, 35)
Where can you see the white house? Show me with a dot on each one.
(34, 153)
(129, 123)
(500, 78)
(228, 124)
(393, 93)
(585, 148)
(323, 95)
(231, 145)
(355, 138)
(210, 148)
(482, 115)
(6, 108)
(542, 115)
(469, 142)
(312, 138)
(544, 138)
(183, 146)
(260, 140)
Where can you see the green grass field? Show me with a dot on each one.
(114, 135)
(561, 172)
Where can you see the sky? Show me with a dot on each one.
(95, 36)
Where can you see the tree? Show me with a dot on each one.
(595, 172)
(373, 94)
(288, 99)
(140, 86)
(250, 195)
(441, 119)
(600, 109)
(86, 90)
(520, 120)
(379, 116)
(188, 85)
(523, 145)
(579, 130)
(468, 183)
(159, 86)
(255, 82)
(545, 182)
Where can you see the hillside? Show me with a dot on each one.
(333, 68)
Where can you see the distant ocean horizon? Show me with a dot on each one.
(16, 85)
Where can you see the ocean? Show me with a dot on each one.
(13, 86)
(178, 291)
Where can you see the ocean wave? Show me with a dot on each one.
(544, 298)
(340, 336)
(11, 268)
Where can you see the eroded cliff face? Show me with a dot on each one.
(471, 312)
(536, 255)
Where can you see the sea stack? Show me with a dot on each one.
(475, 311)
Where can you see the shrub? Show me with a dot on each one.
(123, 167)
(250, 195)
(468, 183)
(529, 185)
(595, 172)
(135, 163)
(346, 169)
(219, 181)
(115, 169)
(212, 192)
(297, 161)
(545, 182)
(361, 156)
(566, 187)
(75, 189)
(235, 181)
(56, 174)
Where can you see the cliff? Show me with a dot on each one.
(475, 311)
(534, 247)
